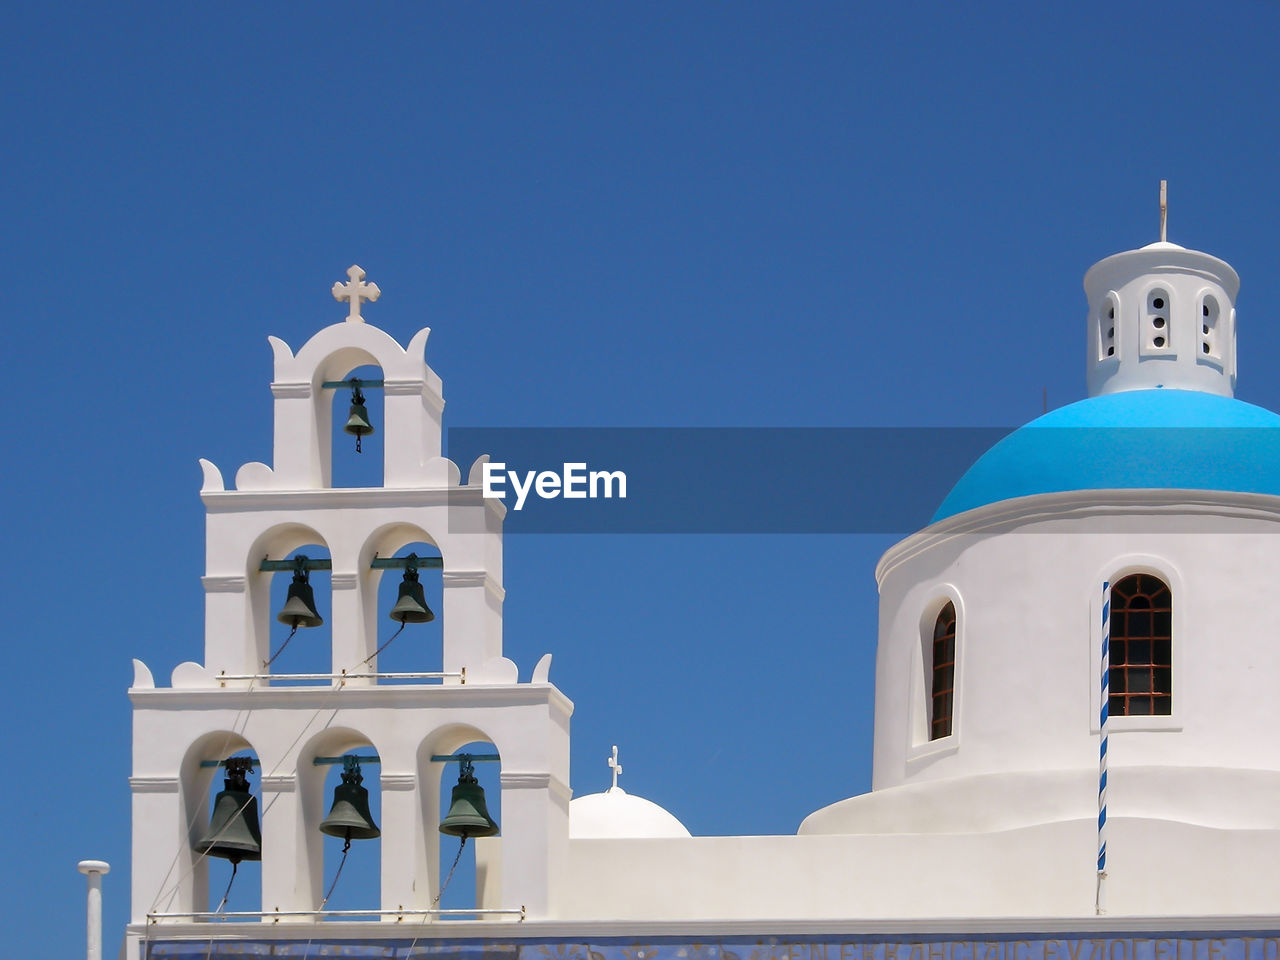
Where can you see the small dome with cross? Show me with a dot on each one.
(616, 814)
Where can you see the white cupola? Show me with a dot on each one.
(1162, 316)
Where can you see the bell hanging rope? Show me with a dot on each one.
(358, 424)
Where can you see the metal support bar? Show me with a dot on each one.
(269, 566)
(473, 757)
(322, 761)
(379, 563)
(353, 382)
(402, 563)
(251, 761)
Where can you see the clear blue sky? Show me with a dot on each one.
(638, 215)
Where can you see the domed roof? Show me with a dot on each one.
(617, 814)
(1137, 439)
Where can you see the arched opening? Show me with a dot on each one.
(221, 788)
(408, 644)
(942, 672)
(1158, 336)
(1108, 322)
(349, 467)
(296, 644)
(457, 887)
(356, 883)
(352, 791)
(452, 862)
(1209, 315)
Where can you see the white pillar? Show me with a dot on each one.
(405, 879)
(350, 637)
(94, 869)
(535, 841)
(282, 887)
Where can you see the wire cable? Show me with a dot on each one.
(370, 657)
(267, 663)
(346, 847)
(445, 885)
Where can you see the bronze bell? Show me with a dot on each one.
(349, 817)
(411, 604)
(233, 832)
(467, 816)
(358, 424)
(300, 604)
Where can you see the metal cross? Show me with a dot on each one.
(355, 290)
(617, 767)
(1164, 211)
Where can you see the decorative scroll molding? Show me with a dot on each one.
(234, 584)
(290, 391)
(517, 780)
(398, 781)
(153, 784)
(403, 388)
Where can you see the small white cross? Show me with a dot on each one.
(355, 290)
(617, 767)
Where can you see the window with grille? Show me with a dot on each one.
(1141, 676)
(944, 673)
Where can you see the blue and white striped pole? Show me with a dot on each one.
(1103, 713)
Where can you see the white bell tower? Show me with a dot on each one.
(234, 703)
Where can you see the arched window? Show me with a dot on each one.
(942, 698)
(1141, 678)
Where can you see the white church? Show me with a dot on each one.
(1098, 579)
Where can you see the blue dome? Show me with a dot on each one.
(1139, 439)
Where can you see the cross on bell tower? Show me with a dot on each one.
(355, 290)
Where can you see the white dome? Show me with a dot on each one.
(617, 814)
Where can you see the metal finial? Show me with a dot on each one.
(1164, 211)
(616, 766)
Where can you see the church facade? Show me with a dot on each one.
(1073, 749)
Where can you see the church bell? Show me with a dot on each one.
(349, 817)
(300, 603)
(233, 832)
(467, 816)
(411, 604)
(358, 424)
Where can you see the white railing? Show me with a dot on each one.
(342, 677)
(515, 913)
